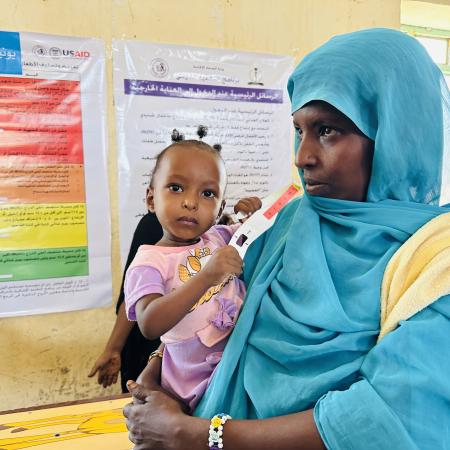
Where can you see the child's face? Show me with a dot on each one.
(187, 194)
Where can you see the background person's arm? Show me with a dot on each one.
(108, 363)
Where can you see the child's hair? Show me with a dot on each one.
(179, 142)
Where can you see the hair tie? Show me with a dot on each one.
(177, 136)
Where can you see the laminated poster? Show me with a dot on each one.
(54, 206)
(240, 96)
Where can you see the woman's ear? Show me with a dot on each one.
(150, 200)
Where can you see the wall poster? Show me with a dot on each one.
(54, 205)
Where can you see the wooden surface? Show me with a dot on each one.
(97, 425)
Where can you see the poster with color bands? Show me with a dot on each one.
(54, 214)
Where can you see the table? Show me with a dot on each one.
(96, 424)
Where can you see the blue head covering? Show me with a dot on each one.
(312, 309)
(387, 84)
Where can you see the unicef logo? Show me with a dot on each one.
(159, 68)
(39, 50)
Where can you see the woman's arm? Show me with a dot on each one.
(156, 314)
(402, 399)
(109, 362)
(159, 423)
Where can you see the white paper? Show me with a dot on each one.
(241, 97)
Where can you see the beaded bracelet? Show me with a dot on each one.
(215, 440)
(155, 354)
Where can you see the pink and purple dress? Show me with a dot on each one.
(194, 346)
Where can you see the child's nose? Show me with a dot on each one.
(189, 203)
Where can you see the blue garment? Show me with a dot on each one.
(307, 332)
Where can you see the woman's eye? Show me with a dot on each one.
(326, 131)
(209, 194)
(299, 132)
(175, 188)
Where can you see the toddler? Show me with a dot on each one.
(185, 288)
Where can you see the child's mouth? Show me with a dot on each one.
(188, 220)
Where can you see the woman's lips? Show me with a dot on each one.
(313, 187)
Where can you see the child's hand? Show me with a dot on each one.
(225, 261)
(247, 206)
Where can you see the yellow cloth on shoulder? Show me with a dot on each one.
(417, 274)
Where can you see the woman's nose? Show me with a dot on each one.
(306, 155)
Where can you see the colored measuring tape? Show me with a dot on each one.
(291, 192)
(263, 219)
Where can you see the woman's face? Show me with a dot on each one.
(333, 154)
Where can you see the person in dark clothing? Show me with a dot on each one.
(127, 350)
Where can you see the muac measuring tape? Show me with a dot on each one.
(263, 219)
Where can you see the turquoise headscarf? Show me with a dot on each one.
(387, 84)
(311, 316)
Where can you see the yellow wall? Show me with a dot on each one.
(425, 14)
(44, 359)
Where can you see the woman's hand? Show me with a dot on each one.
(153, 419)
(107, 366)
(247, 206)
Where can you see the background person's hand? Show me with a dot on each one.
(107, 366)
(151, 419)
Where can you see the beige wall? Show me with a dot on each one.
(45, 359)
(434, 14)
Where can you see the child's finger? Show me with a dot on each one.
(256, 203)
(252, 204)
(246, 206)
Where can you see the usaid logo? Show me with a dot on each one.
(56, 52)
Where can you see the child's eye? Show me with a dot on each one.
(209, 194)
(175, 188)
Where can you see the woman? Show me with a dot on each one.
(372, 126)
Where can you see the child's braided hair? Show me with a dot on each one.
(178, 140)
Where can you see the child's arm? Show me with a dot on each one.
(156, 314)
